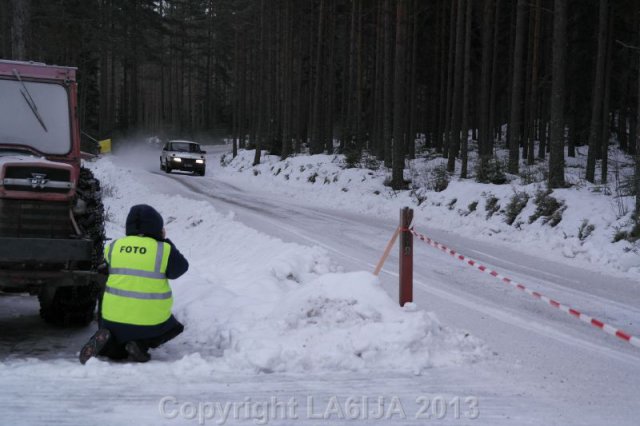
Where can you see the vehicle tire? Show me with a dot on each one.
(161, 165)
(69, 306)
(91, 221)
(167, 168)
(75, 305)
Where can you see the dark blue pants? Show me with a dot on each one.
(146, 336)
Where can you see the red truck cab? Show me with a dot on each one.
(51, 214)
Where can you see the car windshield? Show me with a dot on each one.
(185, 147)
(19, 125)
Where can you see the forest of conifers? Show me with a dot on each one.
(541, 78)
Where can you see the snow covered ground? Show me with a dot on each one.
(464, 205)
(286, 324)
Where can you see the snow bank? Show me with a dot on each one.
(252, 303)
(463, 207)
(338, 321)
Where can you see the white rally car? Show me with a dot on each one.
(183, 155)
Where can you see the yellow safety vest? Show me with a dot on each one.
(137, 291)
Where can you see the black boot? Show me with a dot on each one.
(137, 352)
(94, 345)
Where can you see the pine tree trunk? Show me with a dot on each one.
(316, 139)
(388, 86)
(526, 129)
(397, 178)
(298, 115)
(485, 82)
(458, 81)
(556, 155)
(637, 143)
(442, 83)
(358, 102)
(237, 92)
(606, 128)
(598, 93)
(515, 121)
(411, 134)
(492, 121)
(351, 75)
(533, 105)
(288, 81)
(261, 77)
(104, 75)
(329, 115)
(272, 109)
(464, 135)
(450, 78)
(378, 98)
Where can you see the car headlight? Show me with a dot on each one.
(199, 161)
(177, 160)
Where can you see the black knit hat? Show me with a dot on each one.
(144, 220)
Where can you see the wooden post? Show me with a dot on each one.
(406, 257)
(387, 250)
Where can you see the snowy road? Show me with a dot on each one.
(546, 367)
(533, 342)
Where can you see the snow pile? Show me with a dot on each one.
(591, 216)
(254, 303)
(338, 321)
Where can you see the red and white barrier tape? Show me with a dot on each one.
(585, 318)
